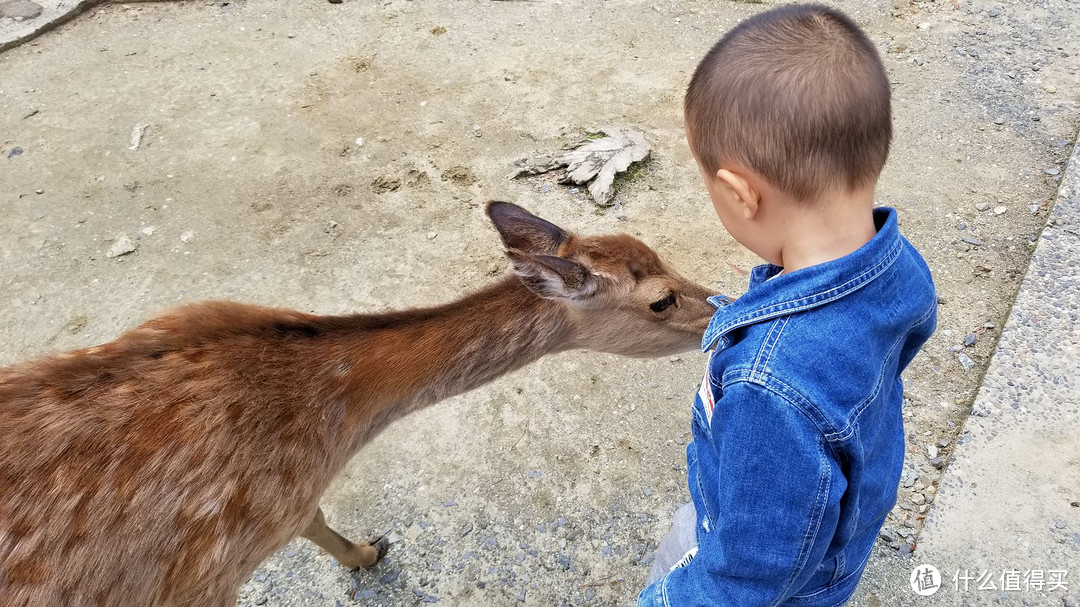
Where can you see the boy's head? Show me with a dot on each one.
(797, 99)
(796, 94)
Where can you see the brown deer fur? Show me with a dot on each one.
(163, 467)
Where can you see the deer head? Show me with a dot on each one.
(617, 294)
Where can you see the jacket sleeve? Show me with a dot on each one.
(768, 512)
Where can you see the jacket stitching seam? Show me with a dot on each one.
(817, 514)
(768, 346)
(850, 425)
(764, 380)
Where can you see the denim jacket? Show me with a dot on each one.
(798, 441)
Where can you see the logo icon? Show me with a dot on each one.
(925, 580)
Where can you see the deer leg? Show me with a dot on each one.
(352, 555)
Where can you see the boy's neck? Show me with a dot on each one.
(828, 229)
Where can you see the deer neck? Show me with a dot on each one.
(404, 361)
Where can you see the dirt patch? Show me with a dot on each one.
(385, 183)
(460, 175)
(417, 179)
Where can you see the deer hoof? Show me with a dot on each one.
(381, 545)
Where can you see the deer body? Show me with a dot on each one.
(163, 467)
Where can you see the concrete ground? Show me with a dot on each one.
(24, 20)
(335, 158)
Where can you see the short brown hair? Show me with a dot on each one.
(797, 94)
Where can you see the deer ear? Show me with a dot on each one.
(524, 231)
(553, 277)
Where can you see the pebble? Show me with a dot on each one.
(1000, 210)
(1053, 171)
(186, 236)
(975, 242)
(432, 235)
(414, 531)
(965, 361)
(390, 577)
(925, 25)
(938, 463)
(1060, 524)
(999, 120)
(1050, 89)
(969, 341)
(917, 498)
(982, 206)
(137, 134)
(994, 12)
(932, 451)
(122, 246)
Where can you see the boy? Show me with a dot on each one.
(798, 438)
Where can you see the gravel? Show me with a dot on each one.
(121, 246)
(965, 361)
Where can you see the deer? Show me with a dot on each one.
(162, 468)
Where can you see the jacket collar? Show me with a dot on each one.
(809, 287)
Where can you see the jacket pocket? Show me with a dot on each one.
(839, 570)
(829, 573)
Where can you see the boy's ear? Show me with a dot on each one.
(553, 277)
(524, 231)
(742, 190)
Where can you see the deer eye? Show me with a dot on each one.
(663, 304)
